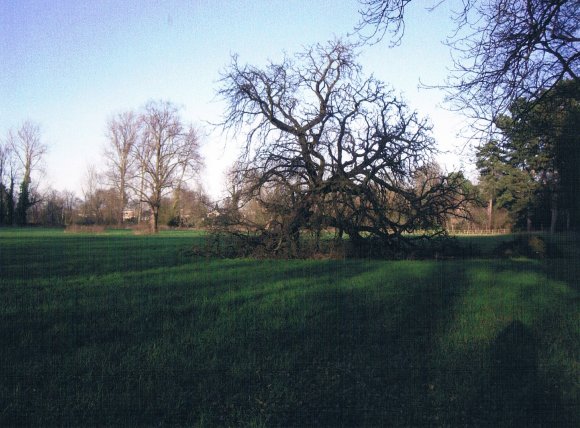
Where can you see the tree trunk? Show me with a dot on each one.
(554, 213)
(10, 204)
(529, 219)
(23, 203)
(176, 210)
(123, 199)
(3, 195)
(298, 218)
(294, 241)
(141, 193)
(553, 219)
(154, 219)
(490, 214)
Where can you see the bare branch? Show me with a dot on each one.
(166, 152)
(340, 147)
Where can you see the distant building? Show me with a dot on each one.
(129, 215)
(213, 214)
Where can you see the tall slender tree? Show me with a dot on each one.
(6, 183)
(122, 134)
(29, 150)
(167, 153)
(505, 185)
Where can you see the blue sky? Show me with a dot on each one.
(69, 65)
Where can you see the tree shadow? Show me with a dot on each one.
(339, 343)
(512, 393)
(368, 360)
(514, 385)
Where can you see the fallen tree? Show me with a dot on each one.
(328, 148)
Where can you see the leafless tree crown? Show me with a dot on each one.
(122, 136)
(338, 148)
(27, 146)
(503, 49)
(167, 153)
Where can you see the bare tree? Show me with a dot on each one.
(122, 135)
(29, 150)
(93, 198)
(137, 185)
(504, 49)
(336, 148)
(51, 211)
(167, 152)
(6, 183)
(382, 16)
(70, 206)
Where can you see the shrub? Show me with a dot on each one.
(537, 247)
(79, 228)
(523, 246)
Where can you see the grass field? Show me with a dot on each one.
(123, 330)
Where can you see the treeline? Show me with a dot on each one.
(529, 178)
(532, 171)
(150, 174)
(342, 177)
(53, 208)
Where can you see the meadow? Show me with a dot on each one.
(115, 329)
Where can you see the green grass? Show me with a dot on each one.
(117, 329)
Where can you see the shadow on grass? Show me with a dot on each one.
(269, 342)
(515, 393)
(508, 358)
(363, 359)
(273, 343)
(508, 389)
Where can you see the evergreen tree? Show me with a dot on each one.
(491, 167)
(545, 143)
(23, 203)
(504, 185)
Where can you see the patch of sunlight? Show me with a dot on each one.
(498, 295)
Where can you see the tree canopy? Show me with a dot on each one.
(545, 142)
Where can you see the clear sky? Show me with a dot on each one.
(70, 64)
